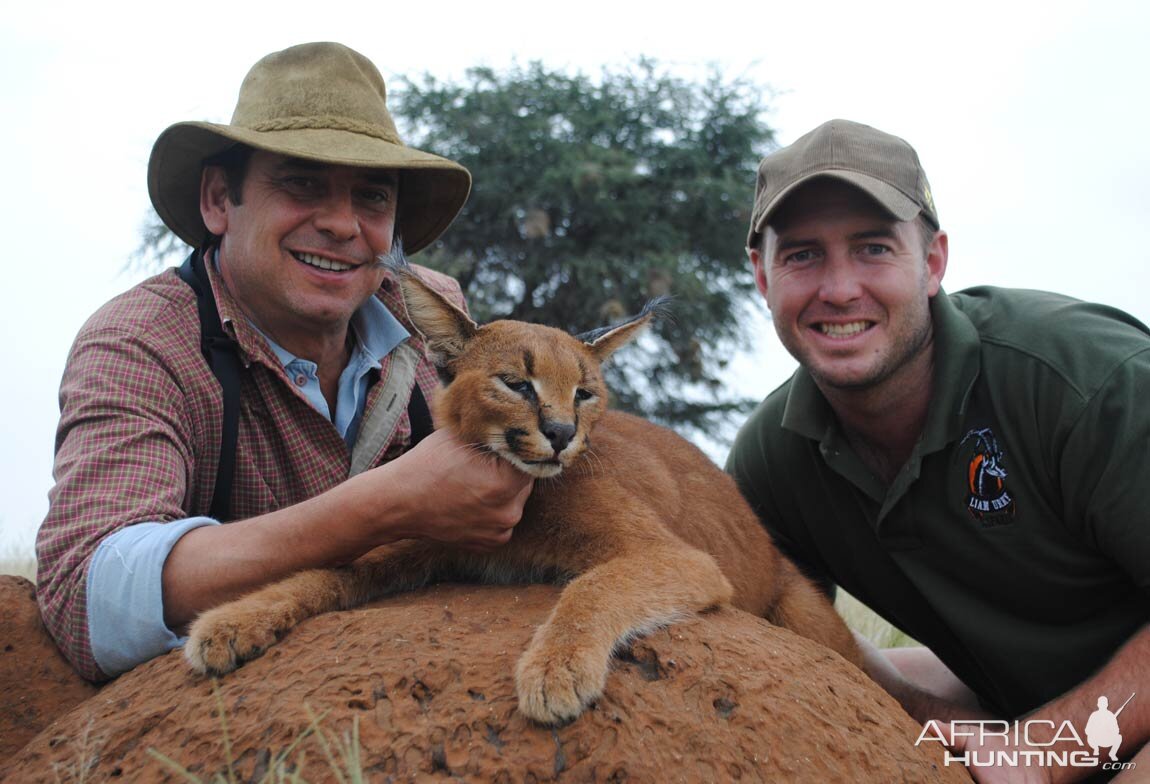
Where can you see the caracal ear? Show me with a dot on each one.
(604, 341)
(445, 328)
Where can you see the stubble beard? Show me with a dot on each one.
(905, 347)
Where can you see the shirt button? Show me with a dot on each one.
(300, 380)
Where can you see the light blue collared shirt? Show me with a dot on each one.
(377, 332)
(125, 592)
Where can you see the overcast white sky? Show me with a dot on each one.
(1030, 118)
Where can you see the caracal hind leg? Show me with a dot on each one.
(225, 637)
(565, 667)
(806, 611)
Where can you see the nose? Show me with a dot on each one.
(558, 433)
(841, 282)
(336, 217)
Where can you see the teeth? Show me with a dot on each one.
(843, 330)
(319, 261)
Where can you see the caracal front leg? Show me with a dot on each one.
(565, 667)
(225, 637)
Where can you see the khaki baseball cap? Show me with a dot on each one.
(883, 166)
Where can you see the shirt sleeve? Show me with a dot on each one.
(1105, 471)
(125, 594)
(747, 464)
(124, 455)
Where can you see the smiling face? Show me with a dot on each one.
(848, 286)
(299, 250)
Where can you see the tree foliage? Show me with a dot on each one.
(592, 196)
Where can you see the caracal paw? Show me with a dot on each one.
(554, 686)
(225, 637)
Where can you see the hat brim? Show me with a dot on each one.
(891, 199)
(432, 192)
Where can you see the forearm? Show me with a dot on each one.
(1125, 674)
(212, 565)
(921, 703)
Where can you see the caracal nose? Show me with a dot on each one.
(559, 434)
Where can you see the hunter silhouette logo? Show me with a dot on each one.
(1102, 728)
(988, 499)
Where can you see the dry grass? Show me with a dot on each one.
(342, 754)
(864, 621)
(16, 560)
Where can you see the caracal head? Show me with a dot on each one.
(529, 393)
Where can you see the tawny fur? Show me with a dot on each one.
(643, 526)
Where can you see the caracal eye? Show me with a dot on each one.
(517, 385)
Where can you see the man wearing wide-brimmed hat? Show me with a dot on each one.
(972, 466)
(284, 316)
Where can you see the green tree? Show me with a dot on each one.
(591, 196)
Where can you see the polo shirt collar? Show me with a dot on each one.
(956, 367)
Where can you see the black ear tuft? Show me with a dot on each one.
(604, 342)
(657, 308)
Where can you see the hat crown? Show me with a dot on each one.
(315, 85)
(843, 145)
(882, 165)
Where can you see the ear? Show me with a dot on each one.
(445, 328)
(214, 199)
(936, 258)
(757, 266)
(604, 341)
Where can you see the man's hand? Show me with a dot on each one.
(930, 691)
(451, 492)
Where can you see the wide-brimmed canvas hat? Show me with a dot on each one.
(322, 102)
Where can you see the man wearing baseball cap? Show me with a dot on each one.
(283, 317)
(972, 466)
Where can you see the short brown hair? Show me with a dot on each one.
(926, 231)
(234, 162)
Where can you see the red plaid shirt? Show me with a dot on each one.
(140, 428)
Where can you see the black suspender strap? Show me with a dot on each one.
(419, 415)
(222, 354)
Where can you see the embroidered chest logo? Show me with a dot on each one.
(988, 500)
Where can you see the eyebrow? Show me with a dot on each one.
(869, 234)
(875, 234)
(380, 177)
(299, 163)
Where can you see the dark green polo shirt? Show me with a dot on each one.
(1015, 542)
